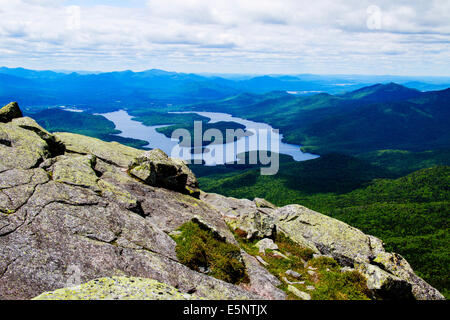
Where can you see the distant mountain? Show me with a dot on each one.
(383, 93)
(382, 116)
(112, 90)
(30, 74)
(417, 124)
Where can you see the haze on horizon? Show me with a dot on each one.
(228, 36)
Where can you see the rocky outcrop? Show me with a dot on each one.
(112, 153)
(326, 235)
(9, 112)
(244, 216)
(155, 168)
(76, 210)
(78, 215)
(384, 284)
(396, 265)
(387, 273)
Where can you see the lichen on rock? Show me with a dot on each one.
(110, 152)
(155, 168)
(351, 247)
(77, 171)
(118, 288)
(243, 215)
(9, 112)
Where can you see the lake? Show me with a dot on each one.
(134, 129)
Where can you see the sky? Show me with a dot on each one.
(379, 37)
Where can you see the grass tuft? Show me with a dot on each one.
(203, 250)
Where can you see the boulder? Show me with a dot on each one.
(327, 236)
(255, 224)
(384, 284)
(243, 215)
(156, 169)
(263, 203)
(55, 146)
(398, 266)
(25, 145)
(9, 112)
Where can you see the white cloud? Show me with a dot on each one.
(268, 36)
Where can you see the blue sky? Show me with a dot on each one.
(229, 36)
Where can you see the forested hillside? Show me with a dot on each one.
(374, 118)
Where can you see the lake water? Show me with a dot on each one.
(134, 129)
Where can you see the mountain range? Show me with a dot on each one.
(382, 116)
(112, 89)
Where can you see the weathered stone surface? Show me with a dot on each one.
(398, 266)
(55, 146)
(293, 274)
(78, 218)
(302, 295)
(350, 247)
(261, 260)
(119, 195)
(266, 244)
(326, 235)
(292, 282)
(17, 186)
(110, 152)
(155, 168)
(191, 182)
(72, 228)
(385, 284)
(21, 148)
(243, 215)
(262, 282)
(118, 288)
(263, 203)
(9, 112)
(77, 171)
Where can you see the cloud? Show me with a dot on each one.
(283, 36)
